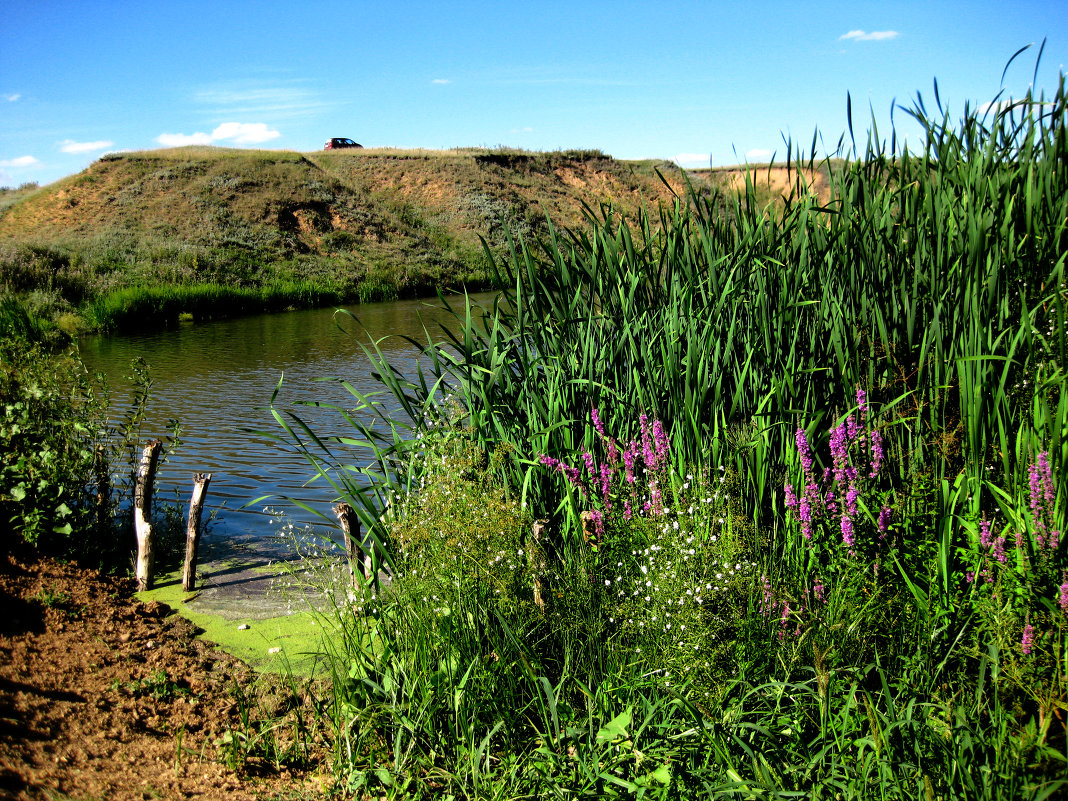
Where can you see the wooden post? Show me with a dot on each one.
(103, 489)
(589, 528)
(142, 513)
(192, 530)
(537, 560)
(350, 527)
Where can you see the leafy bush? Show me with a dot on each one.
(50, 421)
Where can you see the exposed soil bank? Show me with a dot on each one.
(95, 686)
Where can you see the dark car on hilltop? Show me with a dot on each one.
(338, 143)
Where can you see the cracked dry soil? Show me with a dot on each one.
(97, 690)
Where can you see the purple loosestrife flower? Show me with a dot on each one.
(848, 536)
(571, 473)
(817, 590)
(804, 451)
(648, 452)
(804, 514)
(998, 551)
(852, 429)
(791, 496)
(1027, 639)
(1034, 475)
(1062, 598)
(1049, 495)
(852, 495)
(606, 480)
(840, 452)
(877, 453)
(660, 440)
(597, 424)
(986, 538)
(884, 520)
(629, 456)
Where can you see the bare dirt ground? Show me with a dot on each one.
(103, 697)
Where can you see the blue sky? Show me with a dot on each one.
(683, 80)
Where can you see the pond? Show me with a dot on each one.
(216, 379)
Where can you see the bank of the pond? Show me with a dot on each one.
(272, 615)
(149, 308)
(118, 698)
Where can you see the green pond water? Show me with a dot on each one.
(217, 378)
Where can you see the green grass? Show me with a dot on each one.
(906, 334)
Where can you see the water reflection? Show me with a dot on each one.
(216, 379)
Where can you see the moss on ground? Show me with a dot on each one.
(298, 637)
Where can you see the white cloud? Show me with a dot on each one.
(21, 161)
(241, 133)
(70, 146)
(180, 140)
(758, 154)
(12, 98)
(441, 81)
(245, 133)
(524, 129)
(691, 160)
(874, 36)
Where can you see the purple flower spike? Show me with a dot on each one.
(877, 453)
(804, 451)
(1028, 639)
(791, 496)
(986, 538)
(884, 519)
(848, 536)
(1062, 599)
(597, 424)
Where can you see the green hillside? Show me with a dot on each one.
(141, 237)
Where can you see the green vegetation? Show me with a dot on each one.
(803, 471)
(140, 239)
(66, 475)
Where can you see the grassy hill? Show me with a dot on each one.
(141, 238)
(302, 228)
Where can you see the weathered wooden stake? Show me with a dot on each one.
(589, 528)
(350, 527)
(142, 512)
(192, 530)
(103, 489)
(537, 560)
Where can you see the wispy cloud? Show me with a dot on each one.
(441, 81)
(524, 129)
(239, 133)
(874, 36)
(70, 146)
(691, 159)
(758, 154)
(262, 101)
(20, 161)
(12, 98)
